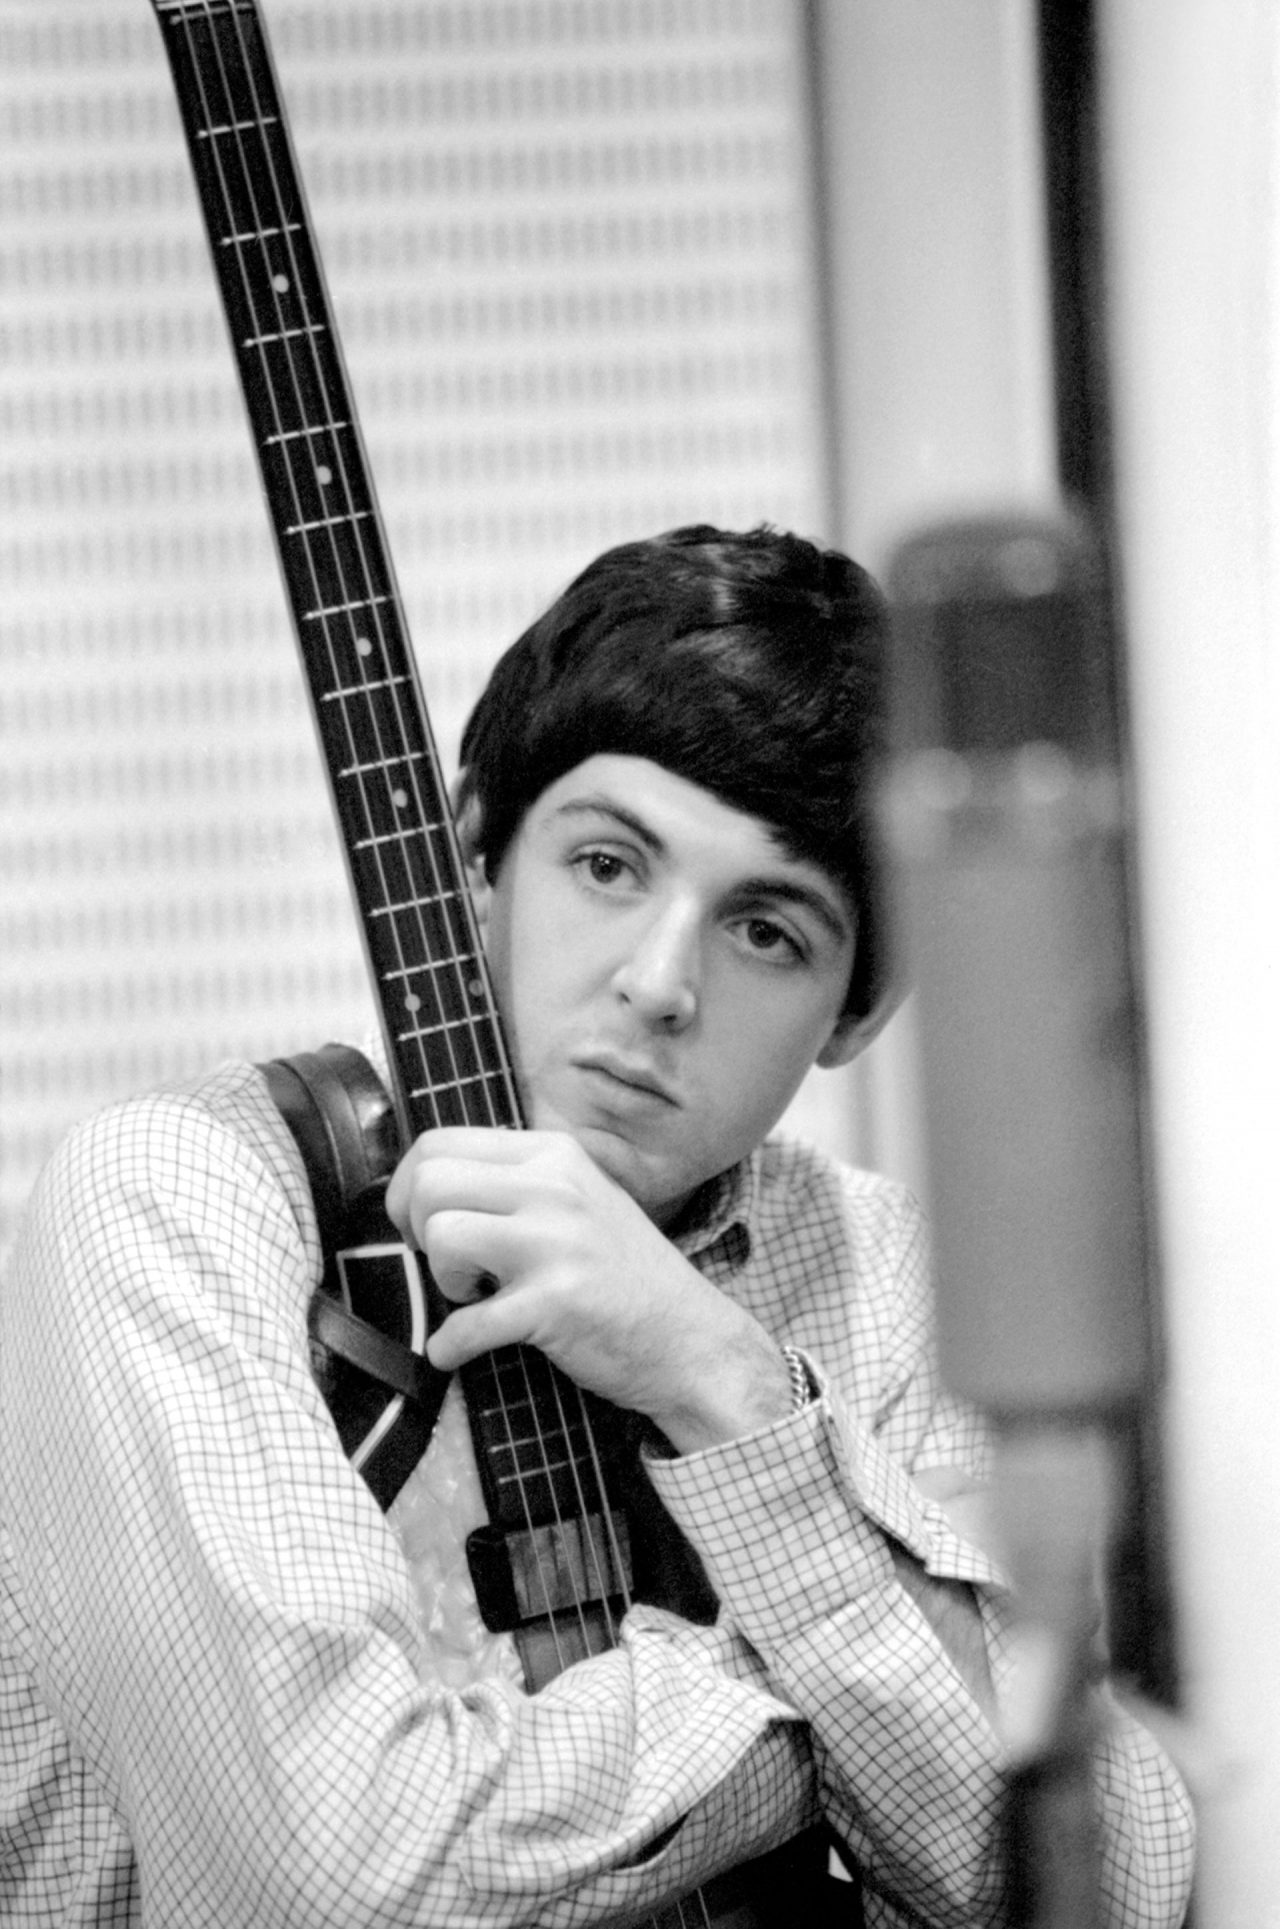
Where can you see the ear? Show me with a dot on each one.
(852, 1035)
(846, 1041)
(466, 817)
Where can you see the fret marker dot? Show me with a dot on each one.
(399, 798)
(324, 474)
(364, 646)
(474, 988)
(412, 1002)
(280, 283)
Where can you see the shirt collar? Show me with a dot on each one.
(724, 1211)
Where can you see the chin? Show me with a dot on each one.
(630, 1170)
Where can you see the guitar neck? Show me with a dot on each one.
(449, 1064)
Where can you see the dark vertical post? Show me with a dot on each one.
(1143, 1634)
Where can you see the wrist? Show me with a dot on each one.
(741, 1396)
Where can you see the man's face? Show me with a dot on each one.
(666, 972)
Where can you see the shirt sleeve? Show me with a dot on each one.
(218, 1621)
(798, 1526)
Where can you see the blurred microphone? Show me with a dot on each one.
(1003, 814)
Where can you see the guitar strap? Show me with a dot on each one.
(343, 1123)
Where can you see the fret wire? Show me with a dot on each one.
(310, 331)
(345, 609)
(344, 691)
(382, 763)
(472, 1078)
(529, 1420)
(257, 234)
(412, 971)
(395, 837)
(308, 428)
(518, 1473)
(434, 1031)
(205, 8)
(415, 904)
(212, 133)
(327, 522)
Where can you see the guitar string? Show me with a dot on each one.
(288, 246)
(351, 502)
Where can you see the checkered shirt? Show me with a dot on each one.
(218, 1704)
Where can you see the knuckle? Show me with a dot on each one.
(444, 1232)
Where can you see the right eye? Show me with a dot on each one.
(602, 867)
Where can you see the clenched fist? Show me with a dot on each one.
(534, 1243)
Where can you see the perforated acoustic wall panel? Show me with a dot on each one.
(568, 242)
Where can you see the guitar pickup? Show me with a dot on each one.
(531, 1574)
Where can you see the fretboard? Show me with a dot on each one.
(449, 1065)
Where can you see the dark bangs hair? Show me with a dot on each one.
(751, 664)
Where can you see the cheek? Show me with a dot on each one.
(500, 948)
(761, 1054)
(528, 954)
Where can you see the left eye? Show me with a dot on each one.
(762, 934)
(602, 867)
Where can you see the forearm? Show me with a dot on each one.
(892, 1659)
(484, 1809)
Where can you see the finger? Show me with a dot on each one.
(469, 1253)
(429, 1186)
(498, 1144)
(460, 1283)
(469, 1331)
(477, 1148)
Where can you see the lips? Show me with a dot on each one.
(633, 1073)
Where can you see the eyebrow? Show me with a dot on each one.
(599, 805)
(804, 896)
(787, 890)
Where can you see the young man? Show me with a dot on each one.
(220, 1701)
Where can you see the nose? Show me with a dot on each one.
(659, 976)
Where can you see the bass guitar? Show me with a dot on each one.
(574, 1531)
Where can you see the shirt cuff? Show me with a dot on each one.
(792, 1521)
